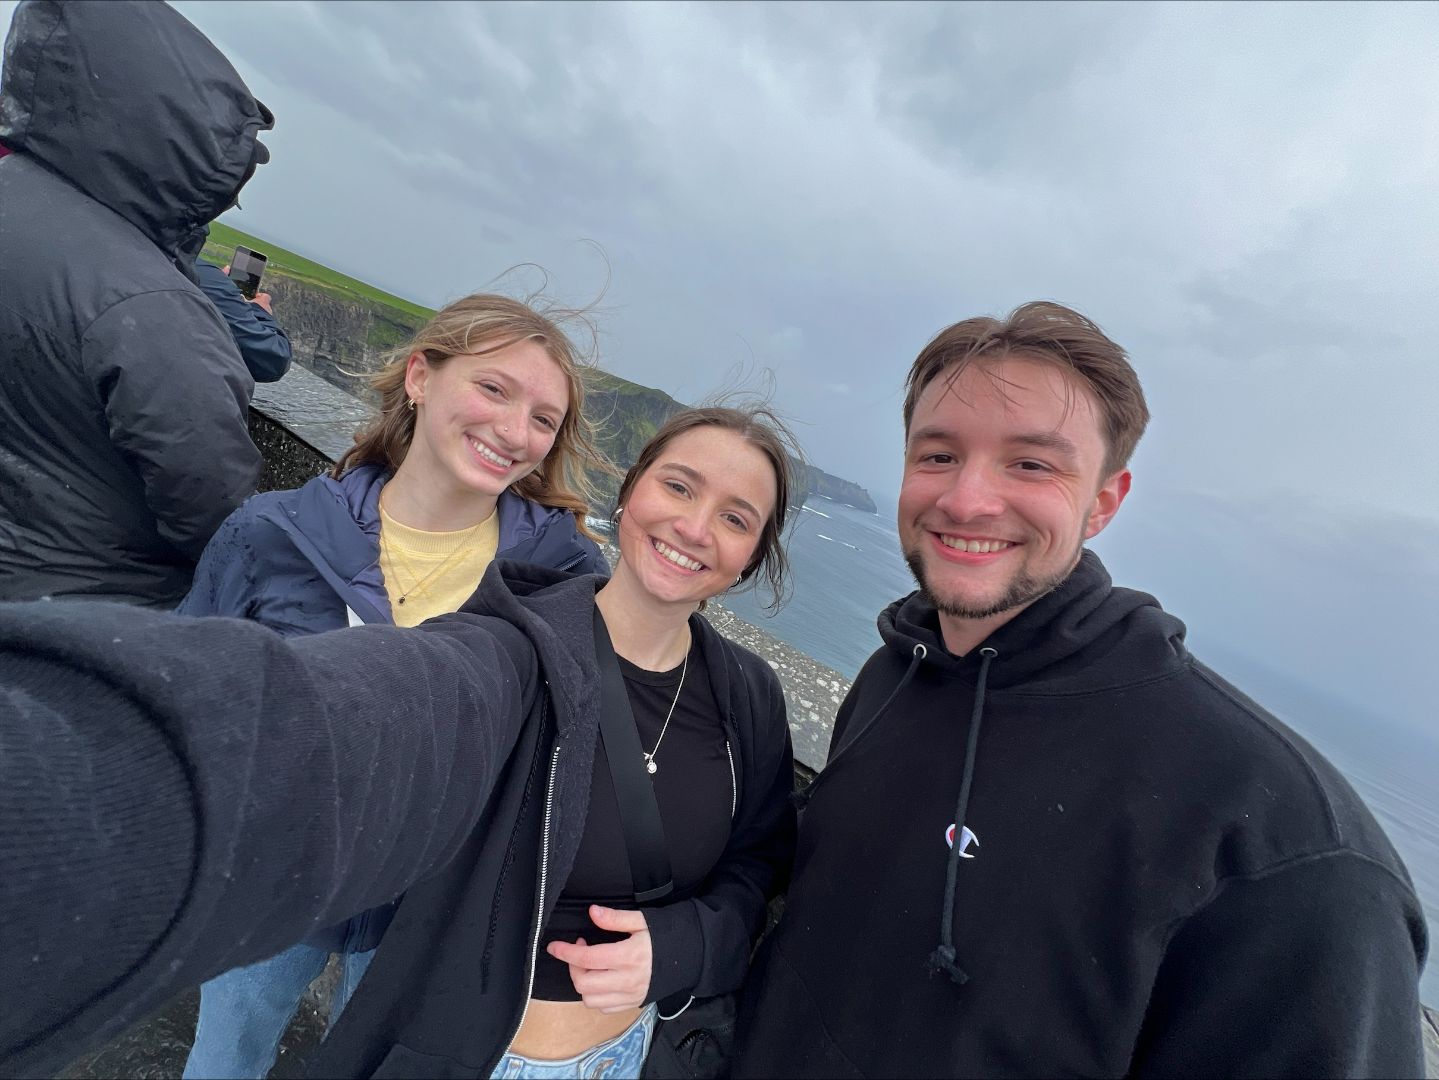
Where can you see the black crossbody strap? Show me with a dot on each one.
(634, 792)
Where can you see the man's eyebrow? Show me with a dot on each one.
(1047, 440)
(933, 431)
(1040, 440)
(698, 479)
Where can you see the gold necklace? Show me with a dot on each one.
(409, 567)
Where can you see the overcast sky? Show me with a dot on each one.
(1243, 195)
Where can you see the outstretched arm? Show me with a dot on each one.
(179, 796)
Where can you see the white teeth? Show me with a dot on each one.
(489, 455)
(675, 557)
(977, 547)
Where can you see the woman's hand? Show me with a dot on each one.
(614, 977)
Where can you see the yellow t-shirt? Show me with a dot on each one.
(431, 573)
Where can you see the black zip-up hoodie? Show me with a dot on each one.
(447, 988)
(1153, 876)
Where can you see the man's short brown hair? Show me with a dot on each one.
(1048, 332)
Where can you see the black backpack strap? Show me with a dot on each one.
(634, 791)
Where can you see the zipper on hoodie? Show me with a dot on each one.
(540, 905)
(733, 786)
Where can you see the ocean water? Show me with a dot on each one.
(847, 568)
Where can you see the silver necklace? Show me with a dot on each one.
(650, 757)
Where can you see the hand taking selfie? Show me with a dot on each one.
(615, 977)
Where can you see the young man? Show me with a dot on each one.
(1048, 840)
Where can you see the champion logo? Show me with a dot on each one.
(966, 837)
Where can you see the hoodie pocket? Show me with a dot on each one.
(781, 1030)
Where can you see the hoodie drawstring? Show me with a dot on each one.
(942, 959)
(800, 799)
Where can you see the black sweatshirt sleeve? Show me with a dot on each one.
(1306, 970)
(179, 796)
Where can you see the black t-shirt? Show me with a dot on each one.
(695, 791)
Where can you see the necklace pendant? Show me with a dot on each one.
(401, 601)
(650, 766)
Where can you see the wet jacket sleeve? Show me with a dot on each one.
(176, 400)
(702, 945)
(1306, 970)
(227, 577)
(179, 796)
(263, 343)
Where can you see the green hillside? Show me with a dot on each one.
(224, 239)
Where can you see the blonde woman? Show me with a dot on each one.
(479, 452)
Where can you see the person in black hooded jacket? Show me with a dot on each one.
(1049, 841)
(123, 407)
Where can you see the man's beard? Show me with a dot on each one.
(1023, 589)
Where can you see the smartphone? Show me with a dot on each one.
(246, 268)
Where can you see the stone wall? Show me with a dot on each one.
(302, 424)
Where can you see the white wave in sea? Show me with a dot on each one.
(812, 510)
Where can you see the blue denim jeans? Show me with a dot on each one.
(244, 1012)
(620, 1058)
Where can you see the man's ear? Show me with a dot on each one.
(417, 373)
(1106, 503)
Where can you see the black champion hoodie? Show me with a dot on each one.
(1157, 877)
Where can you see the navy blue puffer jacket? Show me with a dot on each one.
(296, 560)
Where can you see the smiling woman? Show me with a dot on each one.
(508, 383)
(701, 511)
(479, 452)
(713, 439)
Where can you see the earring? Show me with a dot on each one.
(411, 403)
(737, 579)
(618, 512)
